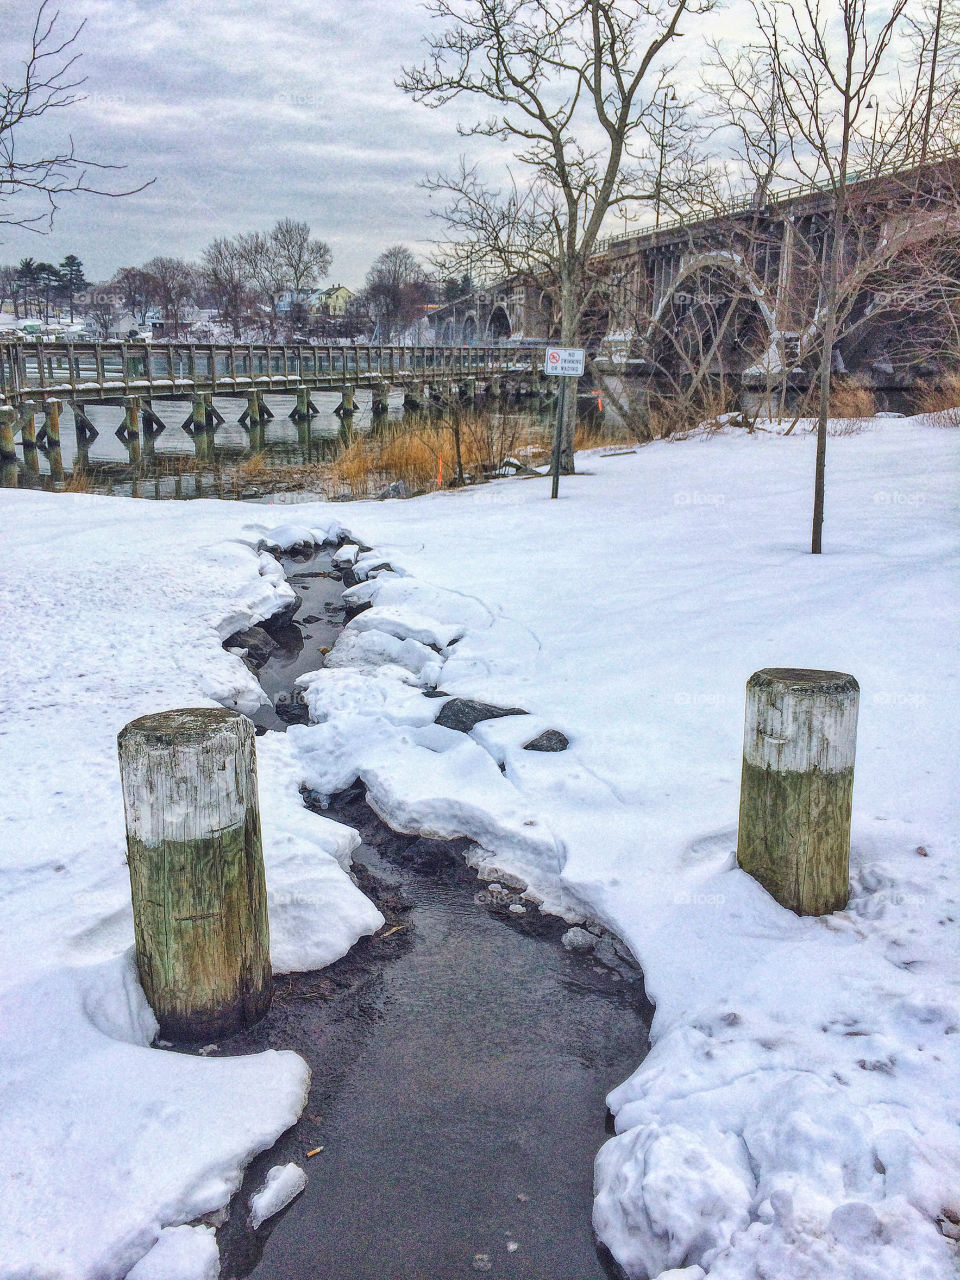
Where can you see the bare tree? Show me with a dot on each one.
(138, 289)
(226, 274)
(396, 291)
(8, 289)
(825, 57)
(35, 175)
(569, 87)
(176, 282)
(303, 260)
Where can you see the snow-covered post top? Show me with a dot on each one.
(799, 744)
(196, 870)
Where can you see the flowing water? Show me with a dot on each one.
(460, 1062)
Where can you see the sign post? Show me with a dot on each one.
(562, 363)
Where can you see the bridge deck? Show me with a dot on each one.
(108, 371)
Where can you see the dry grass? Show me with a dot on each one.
(941, 398)
(425, 456)
(77, 482)
(849, 400)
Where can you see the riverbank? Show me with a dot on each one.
(800, 1069)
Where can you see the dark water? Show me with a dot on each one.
(460, 1062)
(176, 465)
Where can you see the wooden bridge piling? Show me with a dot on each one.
(28, 436)
(8, 451)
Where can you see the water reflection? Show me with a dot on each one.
(223, 446)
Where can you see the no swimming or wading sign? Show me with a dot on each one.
(564, 362)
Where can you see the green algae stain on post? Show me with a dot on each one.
(799, 744)
(195, 855)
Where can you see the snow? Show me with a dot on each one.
(181, 1253)
(798, 1112)
(110, 610)
(282, 1184)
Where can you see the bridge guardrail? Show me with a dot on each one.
(98, 369)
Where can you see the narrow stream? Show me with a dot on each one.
(460, 1062)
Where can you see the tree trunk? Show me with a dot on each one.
(568, 338)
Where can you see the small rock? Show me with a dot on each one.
(517, 908)
(257, 642)
(398, 489)
(522, 1197)
(549, 740)
(512, 1246)
(346, 555)
(577, 939)
(481, 1262)
(464, 713)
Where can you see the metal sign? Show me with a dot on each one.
(564, 362)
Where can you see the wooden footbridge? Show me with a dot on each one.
(39, 377)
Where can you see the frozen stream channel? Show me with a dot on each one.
(460, 1062)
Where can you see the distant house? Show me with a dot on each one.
(331, 302)
(122, 325)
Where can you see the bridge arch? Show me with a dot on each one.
(499, 328)
(754, 295)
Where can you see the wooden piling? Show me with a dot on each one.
(131, 426)
(198, 416)
(196, 870)
(9, 475)
(346, 405)
(381, 394)
(253, 409)
(51, 422)
(51, 432)
(800, 736)
(28, 436)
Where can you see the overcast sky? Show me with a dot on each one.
(244, 112)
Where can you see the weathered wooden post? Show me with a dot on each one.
(8, 449)
(28, 436)
(346, 406)
(196, 870)
(51, 432)
(302, 411)
(198, 415)
(799, 743)
(131, 426)
(380, 403)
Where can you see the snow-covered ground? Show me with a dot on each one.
(798, 1113)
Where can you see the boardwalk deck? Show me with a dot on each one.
(108, 371)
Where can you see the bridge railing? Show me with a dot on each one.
(777, 196)
(113, 368)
